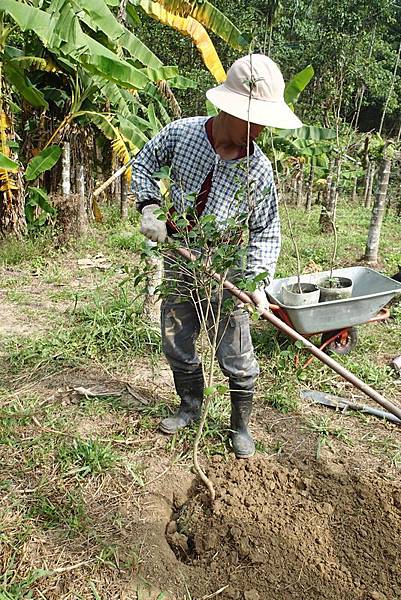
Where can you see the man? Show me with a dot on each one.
(203, 154)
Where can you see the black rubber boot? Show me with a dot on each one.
(241, 408)
(189, 387)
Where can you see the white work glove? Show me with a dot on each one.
(152, 227)
(260, 299)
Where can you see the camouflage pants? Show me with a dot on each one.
(180, 327)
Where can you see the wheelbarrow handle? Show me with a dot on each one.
(293, 334)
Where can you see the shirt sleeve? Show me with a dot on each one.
(155, 154)
(264, 230)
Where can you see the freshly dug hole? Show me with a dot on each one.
(277, 534)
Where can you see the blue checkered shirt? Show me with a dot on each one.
(184, 146)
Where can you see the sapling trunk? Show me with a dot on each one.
(334, 254)
(294, 243)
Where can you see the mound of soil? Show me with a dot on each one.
(280, 533)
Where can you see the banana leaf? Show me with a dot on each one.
(210, 17)
(39, 197)
(43, 161)
(182, 83)
(105, 20)
(7, 164)
(309, 132)
(189, 26)
(297, 84)
(24, 87)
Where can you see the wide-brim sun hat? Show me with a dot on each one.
(263, 104)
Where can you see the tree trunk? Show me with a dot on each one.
(309, 189)
(293, 189)
(66, 174)
(369, 186)
(82, 215)
(12, 208)
(300, 186)
(372, 244)
(329, 204)
(124, 199)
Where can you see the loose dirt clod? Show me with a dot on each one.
(304, 533)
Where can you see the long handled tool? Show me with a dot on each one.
(343, 405)
(327, 360)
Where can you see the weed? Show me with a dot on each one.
(387, 446)
(126, 240)
(326, 430)
(86, 457)
(66, 511)
(281, 399)
(215, 436)
(17, 296)
(13, 252)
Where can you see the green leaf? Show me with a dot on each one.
(44, 161)
(182, 83)
(261, 277)
(24, 87)
(39, 197)
(7, 164)
(211, 110)
(209, 391)
(297, 84)
(309, 132)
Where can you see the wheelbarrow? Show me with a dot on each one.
(335, 321)
(291, 332)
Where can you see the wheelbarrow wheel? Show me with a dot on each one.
(343, 343)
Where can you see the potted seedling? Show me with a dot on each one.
(300, 293)
(334, 287)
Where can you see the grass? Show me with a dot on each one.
(111, 324)
(326, 430)
(86, 457)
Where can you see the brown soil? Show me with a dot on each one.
(276, 533)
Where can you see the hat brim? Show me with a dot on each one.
(260, 112)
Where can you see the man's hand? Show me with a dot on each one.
(152, 227)
(260, 299)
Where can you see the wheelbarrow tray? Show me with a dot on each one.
(371, 291)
